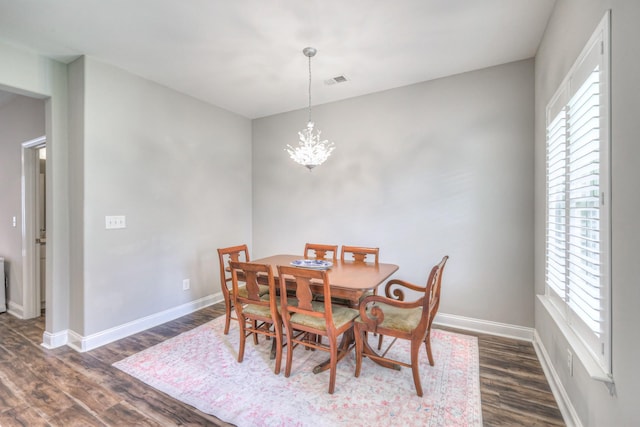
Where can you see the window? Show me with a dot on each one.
(577, 257)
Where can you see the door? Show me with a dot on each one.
(41, 212)
(33, 227)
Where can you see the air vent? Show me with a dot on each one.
(334, 80)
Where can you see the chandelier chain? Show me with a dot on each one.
(309, 88)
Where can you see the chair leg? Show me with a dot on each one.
(427, 344)
(227, 314)
(278, 342)
(274, 344)
(333, 345)
(243, 338)
(255, 335)
(287, 369)
(360, 336)
(415, 350)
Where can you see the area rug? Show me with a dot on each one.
(200, 368)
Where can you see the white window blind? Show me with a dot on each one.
(577, 193)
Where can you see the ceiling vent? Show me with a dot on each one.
(334, 80)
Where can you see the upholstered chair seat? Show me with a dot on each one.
(397, 318)
(341, 316)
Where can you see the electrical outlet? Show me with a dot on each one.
(115, 221)
(570, 362)
(186, 284)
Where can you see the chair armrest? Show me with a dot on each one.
(393, 289)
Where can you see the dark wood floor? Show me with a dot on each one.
(62, 387)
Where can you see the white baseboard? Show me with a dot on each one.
(85, 343)
(58, 339)
(484, 326)
(15, 309)
(567, 410)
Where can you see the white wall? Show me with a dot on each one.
(21, 120)
(441, 167)
(180, 170)
(570, 26)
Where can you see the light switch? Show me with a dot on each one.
(115, 221)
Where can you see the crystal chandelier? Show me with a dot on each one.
(311, 151)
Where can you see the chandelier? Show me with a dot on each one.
(311, 151)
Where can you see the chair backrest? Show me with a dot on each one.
(360, 254)
(250, 272)
(432, 291)
(320, 251)
(232, 253)
(301, 298)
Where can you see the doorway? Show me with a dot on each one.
(34, 232)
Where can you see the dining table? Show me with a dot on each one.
(350, 281)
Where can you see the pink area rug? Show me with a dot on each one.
(200, 368)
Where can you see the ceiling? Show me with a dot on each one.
(246, 55)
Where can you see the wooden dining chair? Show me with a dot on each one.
(360, 254)
(256, 314)
(305, 319)
(321, 251)
(392, 316)
(232, 253)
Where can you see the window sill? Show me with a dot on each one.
(590, 364)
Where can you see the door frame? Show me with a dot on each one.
(31, 298)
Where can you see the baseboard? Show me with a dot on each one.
(85, 343)
(15, 310)
(484, 326)
(569, 413)
(58, 339)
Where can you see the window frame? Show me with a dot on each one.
(594, 353)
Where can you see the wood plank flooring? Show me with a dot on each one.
(61, 387)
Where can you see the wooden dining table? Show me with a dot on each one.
(349, 281)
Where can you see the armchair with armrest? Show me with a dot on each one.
(391, 316)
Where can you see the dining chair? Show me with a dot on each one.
(357, 254)
(305, 319)
(256, 313)
(360, 253)
(232, 253)
(392, 316)
(320, 251)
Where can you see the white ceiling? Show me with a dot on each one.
(246, 55)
